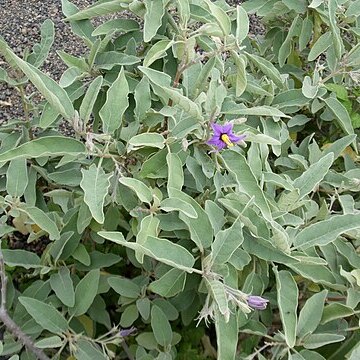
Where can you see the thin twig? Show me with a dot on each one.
(9, 323)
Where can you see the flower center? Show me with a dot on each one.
(226, 140)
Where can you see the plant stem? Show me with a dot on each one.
(9, 323)
(127, 350)
(26, 110)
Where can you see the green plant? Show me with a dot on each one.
(145, 224)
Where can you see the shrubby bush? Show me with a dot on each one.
(207, 204)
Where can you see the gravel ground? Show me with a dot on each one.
(20, 22)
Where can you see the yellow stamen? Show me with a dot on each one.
(226, 140)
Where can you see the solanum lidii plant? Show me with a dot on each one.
(206, 204)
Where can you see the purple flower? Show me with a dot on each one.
(257, 302)
(127, 332)
(224, 136)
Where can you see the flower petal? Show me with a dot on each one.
(257, 302)
(214, 141)
(221, 145)
(234, 138)
(218, 129)
(227, 128)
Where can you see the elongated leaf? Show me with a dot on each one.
(237, 164)
(313, 175)
(165, 249)
(157, 51)
(305, 34)
(69, 76)
(63, 287)
(40, 218)
(125, 287)
(161, 86)
(141, 190)
(95, 184)
(200, 228)
(241, 79)
(149, 226)
(341, 115)
(161, 326)
(160, 249)
(226, 336)
(242, 24)
(184, 10)
(73, 61)
(320, 46)
(336, 311)
(45, 315)
(85, 292)
(123, 25)
(315, 341)
(169, 284)
(226, 242)
(176, 204)
(326, 231)
(201, 81)
(116, 103)
(334, 27)
(217, 290)
(86, 350)
(220, 16)
(215, 214)
(49, 342)
(51, 91)
(287, 297)
(148, 139)
(258, 111)
(267, 68)
(82, 28)
(17, 177)
(89, 99)
(319, 274)
(310, 314)
(142, 98)
(99, 8)
(23, 258)
(110, 59)
(175, 172)
(41, 51)
(155, 10)
(339, 146)
(285, 48)
(45, 146)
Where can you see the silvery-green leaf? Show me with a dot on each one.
(157, 51)
(116, 104)
(89, 99)
(141, 190)
(51, 91)
(45, 315)
(17, 177)
(308, 89)
(326, 231)
(242, 24)
(41, 51)
(321, 45)
(155, 10)
(287, 298)
(123, 25)
(95, 183)
(97, 9)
